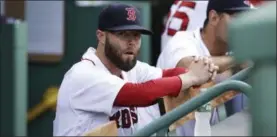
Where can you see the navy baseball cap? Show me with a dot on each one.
(121, 17)
(228, 6)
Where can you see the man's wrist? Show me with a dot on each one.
(228, 64)
(188, 80)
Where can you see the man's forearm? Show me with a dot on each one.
(223, 62)
(145, 94)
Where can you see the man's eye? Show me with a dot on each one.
(137, 34)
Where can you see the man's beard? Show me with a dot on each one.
(114, 56)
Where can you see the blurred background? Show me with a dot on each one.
(58, 33)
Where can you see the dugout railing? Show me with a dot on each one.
(252, 36)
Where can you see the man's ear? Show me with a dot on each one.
(101, 36)
(214, 18)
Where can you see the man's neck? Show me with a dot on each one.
(214, 46)
(107, 63)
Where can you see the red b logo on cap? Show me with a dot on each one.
(131, 12)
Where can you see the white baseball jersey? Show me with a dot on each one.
(185, 44)
(183, 15)
(187, 15)
(87, 94)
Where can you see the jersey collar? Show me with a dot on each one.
(90, 55)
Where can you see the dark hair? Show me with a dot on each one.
(206, 22)
(207, 19)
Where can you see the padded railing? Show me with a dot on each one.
(166, 120)
(184, 109)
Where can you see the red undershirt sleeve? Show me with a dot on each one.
(145, 94)
(174, 72)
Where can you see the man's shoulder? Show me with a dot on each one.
(183, 44)
(83, 69)
(182, 39)
(184, 35)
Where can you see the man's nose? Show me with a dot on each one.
(131, 42)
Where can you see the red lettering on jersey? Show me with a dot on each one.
(126, 117)
(131, 12)
(188, 4)
(181, 15)
(134, 115)
(116, 117)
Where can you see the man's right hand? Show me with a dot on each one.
(200, 71)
